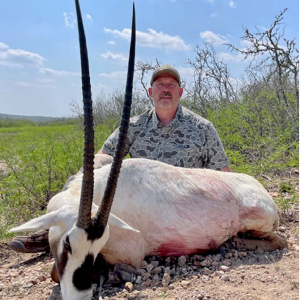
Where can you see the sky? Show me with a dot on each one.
(39, 53)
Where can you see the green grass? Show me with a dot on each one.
(39, 160)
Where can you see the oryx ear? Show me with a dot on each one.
(42, 222)
(117, 222)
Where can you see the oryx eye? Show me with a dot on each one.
(67, 245)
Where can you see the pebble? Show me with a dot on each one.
(227, 262)
(225, 277)
(157, 270)
(181, 261)
(149, 268)
(129, 286)
(224, 268)
(166, 280)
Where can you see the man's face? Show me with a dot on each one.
(165, 92)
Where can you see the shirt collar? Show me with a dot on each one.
(157, 123)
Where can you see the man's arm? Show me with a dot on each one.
(226, 169)
(102, 152)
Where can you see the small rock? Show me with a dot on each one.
(42, 278)
(225, 277)
(242, 254)
(129, 286)
(197, 264)
(138, 279)
(181, 260)
(148, 282)
(215, 263)
(155, 277)
(166, 280)
(149, 268)
(124, 276)
(199, 257)
(168, 260)
(205, 263)
(157, 270)
(282, 229)
(154, 263)
(124, 267)
(33, 281)
(168, 270)
(146, 276)
(207, 271)
(224, 268)
(172, 272)
(227, 262)
(219, 273)
(185, 283)
(217, 257)
(144, 264)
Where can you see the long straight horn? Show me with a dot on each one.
(104, 210)
(84, 214)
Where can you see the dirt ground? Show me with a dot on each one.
(256, 275)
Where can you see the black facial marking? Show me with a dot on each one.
(82, 278)
(95, 231)
(62, 260)
(67, 245)
(100, 268)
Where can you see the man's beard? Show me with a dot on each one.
(163, 103)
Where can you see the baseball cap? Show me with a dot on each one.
(166, 69)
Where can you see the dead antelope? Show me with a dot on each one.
(157, 209)
(75, 238)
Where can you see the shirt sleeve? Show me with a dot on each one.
(110, 144)
(216, 157)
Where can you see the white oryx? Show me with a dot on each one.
(155, 208)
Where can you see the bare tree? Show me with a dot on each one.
(107, 108)
(213, 84)
(281, 59)
(143, 67)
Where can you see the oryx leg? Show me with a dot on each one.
(267, 241)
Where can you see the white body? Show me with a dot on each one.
(158, 209)
(176, 210)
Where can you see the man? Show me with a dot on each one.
(168, 133)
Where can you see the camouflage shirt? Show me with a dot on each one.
(188, 141)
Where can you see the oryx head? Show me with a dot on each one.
(76, 240)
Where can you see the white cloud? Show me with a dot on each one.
(70, 20)
(3, 46)
(215, 39)
(111, 56)
(153, 39)
(115, 75)
(229, 57)
(185, 72)
(30, 85)
(17, 58)
(214, 15)
(245, 43)
(111, 42)
(232, 4)
(47, 71)
(89, 17)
